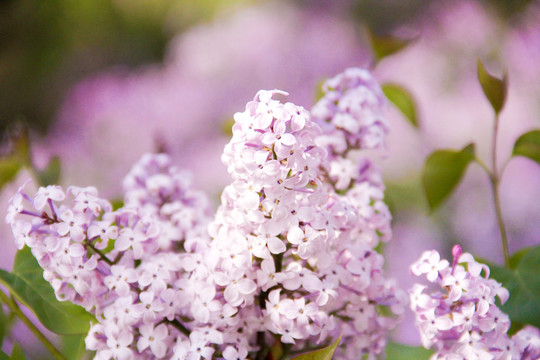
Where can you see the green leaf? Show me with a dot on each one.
(403, 100)
(226, 127)
(51, 174)
(3, 324)
(75, 346)
(3, 356)
(523, 283)
(385, 45)
(321, 354)
(319, 92)
(494, 88)
(9, 167)
(117, 203)
(17, 352)
(528, 145)
(443, 171)
(395, 351)
(26, 283)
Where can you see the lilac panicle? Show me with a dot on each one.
(289, 255)
(463, 321)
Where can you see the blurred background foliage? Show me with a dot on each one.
(47, 46)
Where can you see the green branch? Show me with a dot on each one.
(17, 311)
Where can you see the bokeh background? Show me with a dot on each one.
(99, 83)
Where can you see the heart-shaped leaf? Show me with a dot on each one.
(403, 100)
(523, 283)
(26, 283)
(528, 145)
(443, 171)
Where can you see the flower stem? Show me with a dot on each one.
(495, 180)
(101, 255)
(177, 324)
(17, 311)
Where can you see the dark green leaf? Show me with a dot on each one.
(26, 283)
(528, 145)
(494, 88)
(3, 356)
(403, 100)
(322, 354)
(385, 45)
(17, 352)
(9, 167)
(395, 351)
(51, 174)
(443, 171)
(518, 256)
(523, 283)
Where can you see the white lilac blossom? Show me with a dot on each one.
(463, 321)
(289, 256)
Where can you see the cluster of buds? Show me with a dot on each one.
(289, 256)
(464, 322)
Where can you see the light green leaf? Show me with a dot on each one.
(322, 354)
(523, 283)
(117, 203)
(9, 167)
(26, 283)
(319, 91)
(443, 171)
(528, 145)
(395, 351)
(227, 126)
(51, 174)
(494, 88)
(403, 100)
(17, 352)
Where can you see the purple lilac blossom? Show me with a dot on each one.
(463, 321)
(288, 257)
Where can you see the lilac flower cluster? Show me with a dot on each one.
(351, 111)
(464, 322)
(165, 192)
(289, 256)
(119, 264)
